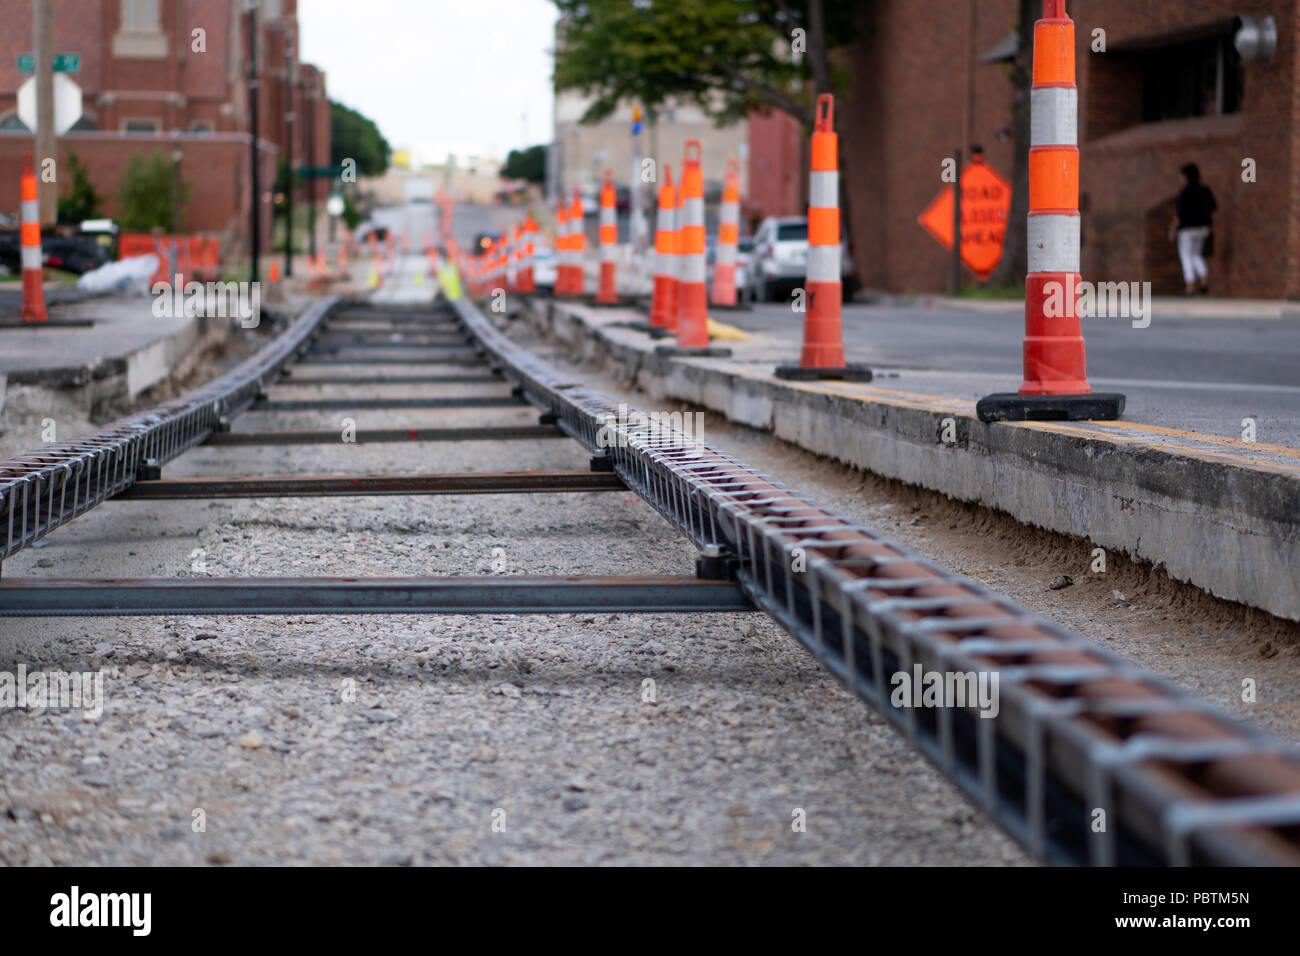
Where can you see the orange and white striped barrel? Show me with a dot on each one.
(663, 309)
(823, 344)
(517, 258)
(692, 294)
(1053, 349)
(563, 257)
(526, 281)
(578, 243)
(606, 292)
(723, 291)
(33, 290)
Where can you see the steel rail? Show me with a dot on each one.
(1087, 759)
(497, 594)
(316, 486)
(43, 489)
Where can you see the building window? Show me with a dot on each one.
(1203, 78)
(140, 36)
(140, 16)
(201, 128)
(140, 126)
(10, 121)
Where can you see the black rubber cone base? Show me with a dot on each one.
(658, 331)
(617, 304)
(673, 351)
(848, 373)
(1014, 407)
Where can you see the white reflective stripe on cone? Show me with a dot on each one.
(31, 257)
(31, 211)
(608, 251)
(1054, 116)
(692, 268)
(693, 212)
(824, 189)
(729, 214)
(823, 264)
(726, 254)
(607, 216)
(1053, 243)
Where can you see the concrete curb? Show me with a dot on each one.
(1226, 522)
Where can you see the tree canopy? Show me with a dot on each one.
(726, 56)
(527, 164)
(354, 136)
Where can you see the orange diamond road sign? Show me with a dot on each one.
(985, 203)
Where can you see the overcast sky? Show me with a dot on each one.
(470, 77)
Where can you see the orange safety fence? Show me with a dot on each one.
(195, 257)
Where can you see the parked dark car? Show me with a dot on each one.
(77, 253)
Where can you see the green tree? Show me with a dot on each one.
(145, 196)
(351, 214)
(356, 137)
(528, 164)
(81, 201)
(727, 56)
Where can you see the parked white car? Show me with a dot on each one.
(780, 256)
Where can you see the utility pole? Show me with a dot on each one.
(289, 120)
(309, 181)
(255, 231)
(176, 182)
(955, 280)
(43, 41)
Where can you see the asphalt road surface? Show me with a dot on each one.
(1200, 374)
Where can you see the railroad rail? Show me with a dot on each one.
(1088, 759)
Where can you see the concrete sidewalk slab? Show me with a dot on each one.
(1217, 512)
(127, 350)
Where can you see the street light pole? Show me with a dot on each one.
(309, 181)
(289, 123)
(253, 81)
(176, 181)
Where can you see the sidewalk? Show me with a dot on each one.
(1220, 513)
(1164, 306)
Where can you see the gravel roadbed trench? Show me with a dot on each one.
(449, 739)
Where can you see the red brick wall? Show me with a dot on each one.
(776, 165)
(902, 116)
(215, 166)
(904, 110)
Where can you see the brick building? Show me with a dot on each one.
(168, 76)
(1170, 88)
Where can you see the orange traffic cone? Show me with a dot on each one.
(33, 278)
(823, 341)
(663, 308)
(1055, 387)
(563, 258)
(723, 291)
(607, 293)
(578, 244)
(692, 292)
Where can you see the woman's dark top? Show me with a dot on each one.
(1195, 206)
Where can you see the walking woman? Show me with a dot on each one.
(1192, 229)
